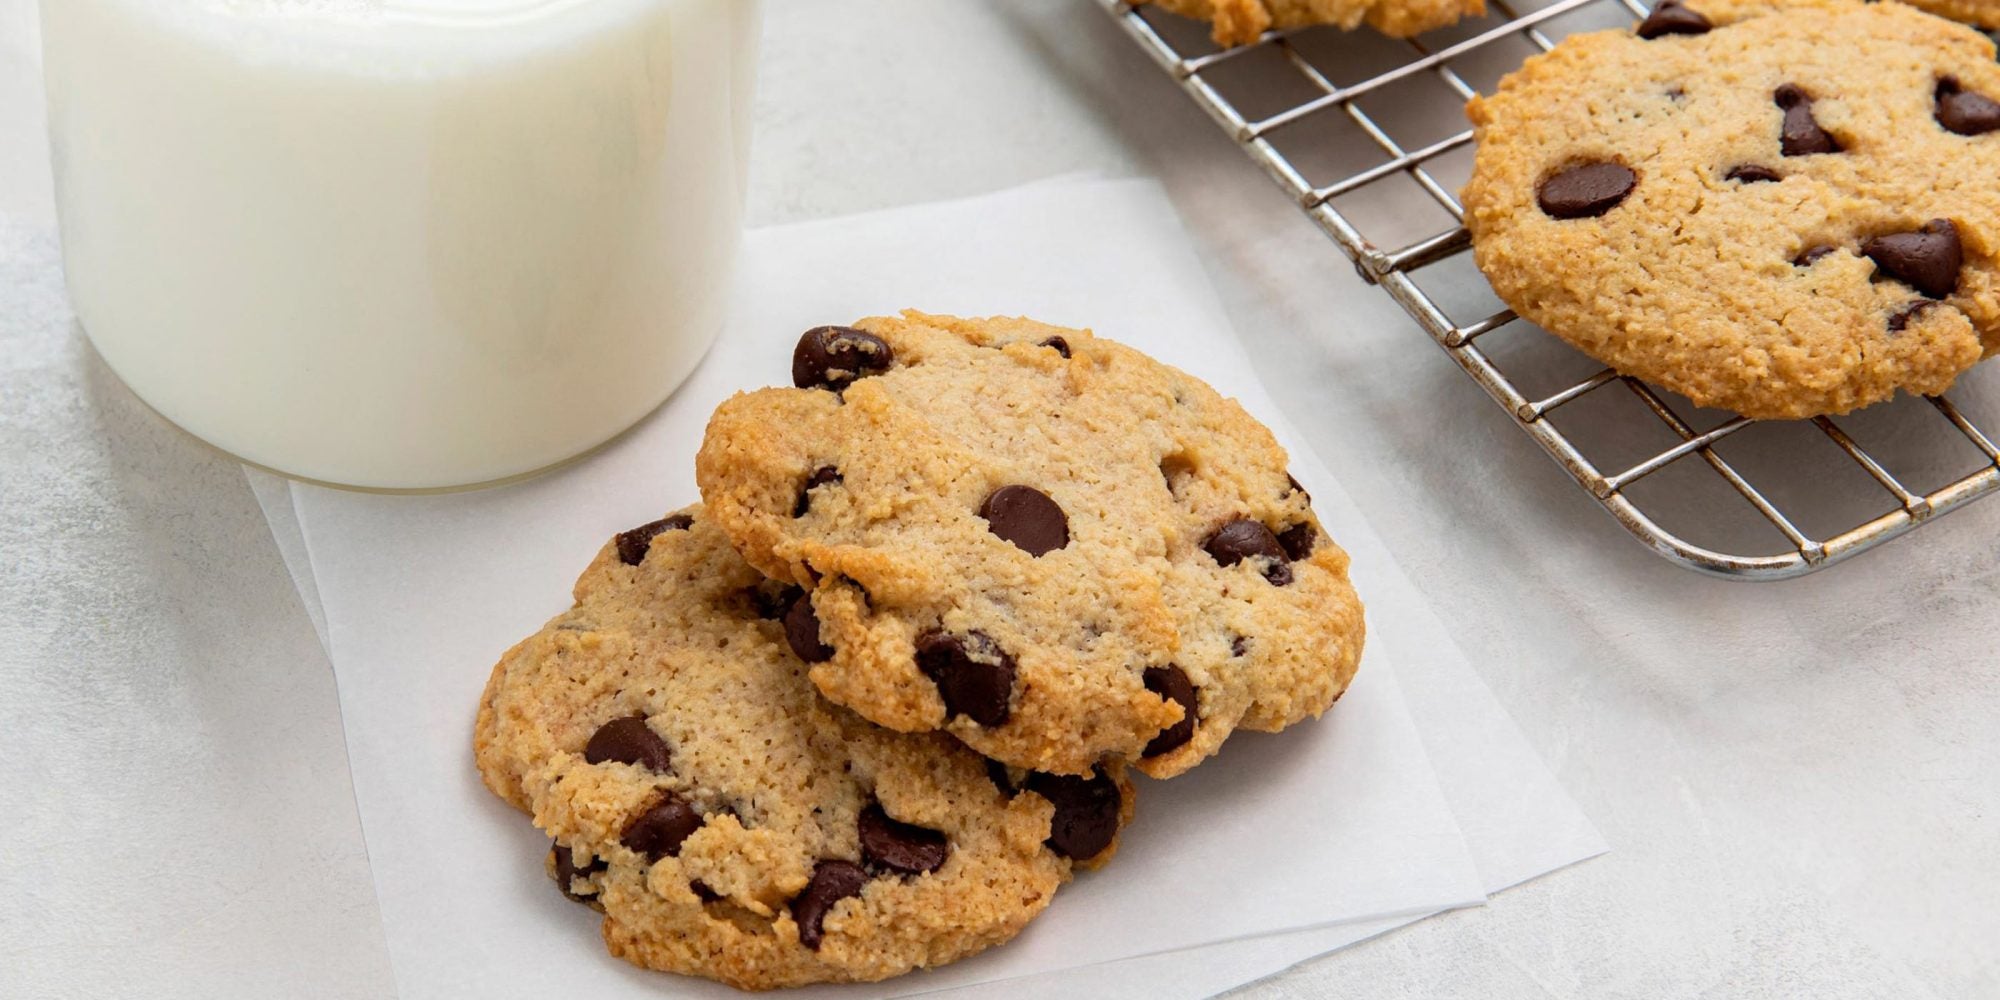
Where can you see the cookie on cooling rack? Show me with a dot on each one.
(1240, 22)
(1050, 545)
(731, 824)
(1983, 13)
(1782, 209)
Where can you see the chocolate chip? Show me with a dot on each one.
(1027, 517)
(1086, 816)
(1751, 173)
(1585, 191)
(1926, 260)
(822, 476)
(1241, 539)
(1298, 540)
(1903, 317)
(832, 881)
(703, 892)
(772, 605)
(1171, 683)
(1963, 111)
(629, 741)
(657, 833)
(632, 545)
(1669, 17)
(1246, 539)
(1059, 345)
(567, 873)
(996, 773)
(1296, 488)
(974, 676)
(1801, 134)
(802, 631)
(832, 357)
(900, 847)
(1811, 254)
(1239, 645)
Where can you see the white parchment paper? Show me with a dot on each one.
(1340, 825)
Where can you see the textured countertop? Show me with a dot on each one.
(1796, 778)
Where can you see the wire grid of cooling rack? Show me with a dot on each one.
(1895, 508)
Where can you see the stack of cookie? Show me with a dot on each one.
(872, 702)
(1785, 208)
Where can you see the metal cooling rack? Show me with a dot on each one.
(1312, 96)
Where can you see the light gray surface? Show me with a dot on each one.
(1796, 778)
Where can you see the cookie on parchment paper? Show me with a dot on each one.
(1045, 543)
(731, 824)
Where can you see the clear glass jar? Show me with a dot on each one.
(400, 244)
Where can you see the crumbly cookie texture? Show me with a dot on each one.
(1240, 22)
(1782, 209)
(1048, 544)
(731, 824)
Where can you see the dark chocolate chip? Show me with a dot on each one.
(802, 631)
(1171, 683)
(1059, 345)
(567, 873)
(1298, 540)
(1807, 256)
(629, 741)
(1669, 17)
(1296, 488)
(1246, 539)
(1927, 260)
(632, 545)
(1801, 134)
(1586, 190)
(703, 892)
(772, 605)
(1241, 539)
(657, 833)
(1086, 817)
(821, 476)
(996, 773)
(1963, 111)
(1239, 645)
(832, 881)
(1027, 517)
(900, 847)
(974, 676)
(1901, 319)
(1751, 173)
(832, 357)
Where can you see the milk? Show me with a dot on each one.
(400, 243)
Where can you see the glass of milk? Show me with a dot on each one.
(400, 244)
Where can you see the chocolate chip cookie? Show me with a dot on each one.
(1240, 22)
(1984, 13)
(1782, 209)
(731, 824)
(1043, 542)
